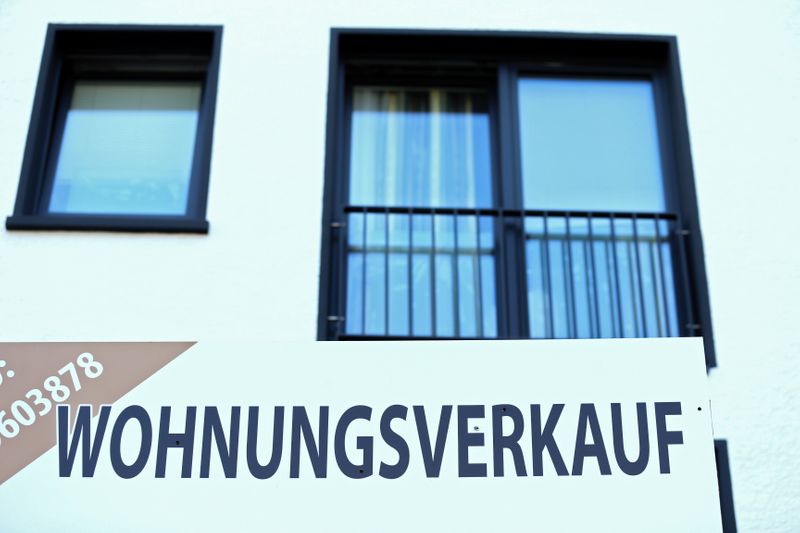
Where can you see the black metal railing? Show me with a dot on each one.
(425, 272)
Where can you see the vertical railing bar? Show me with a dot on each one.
(616, 277)
(610, 291)
(654, 277)
(456, 280)
(596, 322)
(685, 269)
(502, 259)
(574, 311)
(364, 273)
(643, 309)
(386, 273)
(661, 271)
(545, 318)
(585, 247)
(479, 299)
(628, 245)
(565, 278)
(341, 291)
(551, 327)
(433, 274)
(410, 281)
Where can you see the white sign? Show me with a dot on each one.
(595, 435)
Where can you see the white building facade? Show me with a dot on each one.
(256, 273)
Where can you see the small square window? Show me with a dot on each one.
(120, 135)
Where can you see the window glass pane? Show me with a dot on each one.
(420, 148)
(599, 277)
(420, 274)
(589, 145)
(127, 148)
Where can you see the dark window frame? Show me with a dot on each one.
(426, 53)
(109, 52)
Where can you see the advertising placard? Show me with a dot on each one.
(600, 435)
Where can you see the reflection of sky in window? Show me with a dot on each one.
(127, 148)
(589, 144)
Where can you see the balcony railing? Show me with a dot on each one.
(441, 273)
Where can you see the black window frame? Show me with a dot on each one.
(425, 53)
(116, 52)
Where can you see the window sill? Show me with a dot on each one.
(132, 224)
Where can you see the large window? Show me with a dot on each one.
(602, 266)
(508, 186)
(120, 135)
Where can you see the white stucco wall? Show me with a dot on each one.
(256, 273)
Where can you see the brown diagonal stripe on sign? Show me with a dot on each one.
(29, 364)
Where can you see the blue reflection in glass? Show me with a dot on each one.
(127, 148)
(420, 147)
(589, 145)
(601, 278)
(420, 274)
